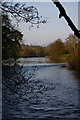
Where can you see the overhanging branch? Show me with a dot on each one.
(67, 18)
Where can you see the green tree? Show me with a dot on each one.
(11, 39)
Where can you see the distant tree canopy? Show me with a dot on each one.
(72, 44)
(57, 51)
(32, 51)
(68, 51)
(57, 48)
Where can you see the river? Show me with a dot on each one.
(52, 91)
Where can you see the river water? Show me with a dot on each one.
(51, 92)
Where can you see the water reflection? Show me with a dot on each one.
(77, 75)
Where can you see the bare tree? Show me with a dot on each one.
(20, 12)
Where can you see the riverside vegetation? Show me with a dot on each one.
(58, 51)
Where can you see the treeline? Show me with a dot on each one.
(32, 51)
(68, 51)
(58, 51)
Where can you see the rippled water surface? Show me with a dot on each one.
(52, 92)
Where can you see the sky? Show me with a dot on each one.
(45, 0)
(54, 29)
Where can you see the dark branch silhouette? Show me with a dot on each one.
(67, 18)
(21, 84)
(20, 12)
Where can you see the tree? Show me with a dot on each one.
(71, 43)
(73, 46)
(11, 39)
(11, 36)
(21, 12)
(56, 50)
(74, 29)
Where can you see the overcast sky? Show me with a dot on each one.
(55, 28)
